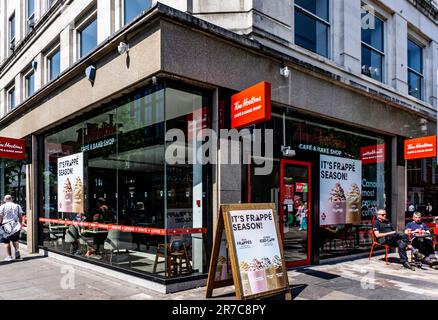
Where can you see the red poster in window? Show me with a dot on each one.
(288, 193)
(420, 148)
(373, 154)
(12, 148)
(251, 106)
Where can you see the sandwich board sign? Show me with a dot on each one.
(254, 262)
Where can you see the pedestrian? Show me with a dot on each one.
(11, 218)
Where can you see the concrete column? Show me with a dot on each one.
(431, 74)
(19, 90)
(20, 21)
(39, 72)
(399, 190)
(67, 47)
(105, 18)
(32, 199)
(3, 30)
(397, 53)
(39, 9)
(118, 15)
(346, 24)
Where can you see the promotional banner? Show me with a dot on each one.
(71, 184)
(340, 190)
(257, 250)
(373, 154)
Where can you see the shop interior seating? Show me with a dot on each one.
(55, 235)
(176, 258)
(118, 242)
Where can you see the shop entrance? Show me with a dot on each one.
(295, 207)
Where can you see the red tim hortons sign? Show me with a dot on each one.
(12, 148)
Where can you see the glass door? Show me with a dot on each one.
(295, 215)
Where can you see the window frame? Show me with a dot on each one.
(26, 76)
(12, 26)
(410, 70)
(316, 18)
(381, 53)
(11, 103)
(30, 16)
(50, 53)
(123, 11)
(83, 23)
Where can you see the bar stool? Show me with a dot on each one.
(164, 251)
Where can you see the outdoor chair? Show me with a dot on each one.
(375, 243)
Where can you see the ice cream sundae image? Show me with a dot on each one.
(354, 200)
(257, 277)
(244, 269)
(78, 196)
(66, 205)
(337, 205)
(270, 273)
(278, 265)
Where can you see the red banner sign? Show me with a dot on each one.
(420, 148)
(121, 228)
(251, 106)
(12, 148)
(373, 154)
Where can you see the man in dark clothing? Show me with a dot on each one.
(386, 234)
(424, 245)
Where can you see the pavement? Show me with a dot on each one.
(36, 277)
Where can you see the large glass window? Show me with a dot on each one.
(373, 49)
(328, 149)
(88, 38)
(415, 69)
(128, 184)
(312, 25)
(132, 8)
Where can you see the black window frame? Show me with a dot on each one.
(367, 46)
(415, 72)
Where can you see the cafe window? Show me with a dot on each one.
(127, 182)
(373, 51)
(415, 69)
(312, 25)
(340, 174)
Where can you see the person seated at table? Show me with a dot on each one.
(386, 235)
(423, 245)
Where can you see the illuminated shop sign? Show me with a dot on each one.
(373, 154)
(251, 106)
(12, 148)
(420, 148)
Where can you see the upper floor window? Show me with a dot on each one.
(30, 14)
(373, 50)
(415, 69)
(30, 84)
(12, 32)
(11, 97)
(88, 38)
(132, 8)
(312, 25)
(54, 64)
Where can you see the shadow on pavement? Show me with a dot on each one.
(22, 260)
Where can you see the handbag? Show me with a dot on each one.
(10, 228)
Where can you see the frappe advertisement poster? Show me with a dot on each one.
(340, 191)
(257, 250)
(71, 184)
